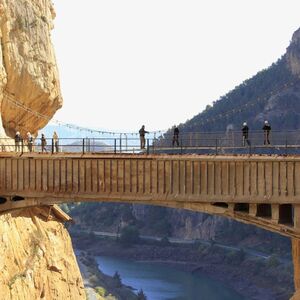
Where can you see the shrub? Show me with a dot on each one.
(117, 279)
(141, 295)
(100, 291)
(129, 235)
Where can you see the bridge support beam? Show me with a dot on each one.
(296, 254)
(296, 261)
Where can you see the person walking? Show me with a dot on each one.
(142, 133)
(43, 143)
(245, 132)
(17, 141)
(55, 141)
(29, 141)
(175, 137)
(266, 129)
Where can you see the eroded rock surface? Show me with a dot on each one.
(36, 257)
(293, 54)
(28, 70)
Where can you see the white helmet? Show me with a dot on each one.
(266, 122)
(244, 124)
(18, 132)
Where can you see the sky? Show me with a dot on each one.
(127, 63)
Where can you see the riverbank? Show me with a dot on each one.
(99, 286)
(254, 278)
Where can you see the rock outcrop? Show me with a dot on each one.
(29, 79)
(293, 54)
(36, 257)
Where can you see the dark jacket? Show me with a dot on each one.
(17, 138)
(267, 128)
(142, 131)
(245, 130)
(176, 131)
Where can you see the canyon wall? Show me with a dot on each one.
(29, 78)
(36, 255)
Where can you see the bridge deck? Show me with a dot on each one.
(266, 179)
(262, 190)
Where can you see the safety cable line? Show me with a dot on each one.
(22, 106)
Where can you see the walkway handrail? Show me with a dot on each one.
(230, 142)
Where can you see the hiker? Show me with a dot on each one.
(55, 141)
(245, 131)
(18, 141)
(142, 133)
(43, 143)
(29, 141)
(266, 129)
(175, 136)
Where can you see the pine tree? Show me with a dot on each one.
(141, 295)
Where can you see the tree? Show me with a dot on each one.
(129, 235)
(117, 279)
(141, 295)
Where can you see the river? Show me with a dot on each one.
(163, 282)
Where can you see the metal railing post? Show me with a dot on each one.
(181, 146)
(120, 142)
(52, 146)
(83, 146)
(115, 150)
(22, 145)
(216, 146)
(148, 146)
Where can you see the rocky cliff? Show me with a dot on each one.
(36, 257)
(28, 72)
(293, 54)
(36, 254)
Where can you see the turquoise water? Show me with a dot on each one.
(161, 282)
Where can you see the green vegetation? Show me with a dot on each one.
(117, 279)
(129, 235)
(100, 291)
(141, 295)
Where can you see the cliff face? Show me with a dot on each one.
(28, 70)
(293, 54)
(36, 255)
(36, 258)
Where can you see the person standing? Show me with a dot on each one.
(266, 129)
(142, 133)
(29, 141)
(17, 141)
(245, 132)
(43, 143)
(175, 137)
(55, 141)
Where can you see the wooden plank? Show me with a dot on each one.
(39, 174)
(269, 178)
(211, 179)
(276, 179)
(51, 175)
(76, 178)
(45, 175)
(297, 178)
(69, 179)
(32, 174)
(283, 179)
(261, 187)
(63, 176)
(188, 177)
(82, 174)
